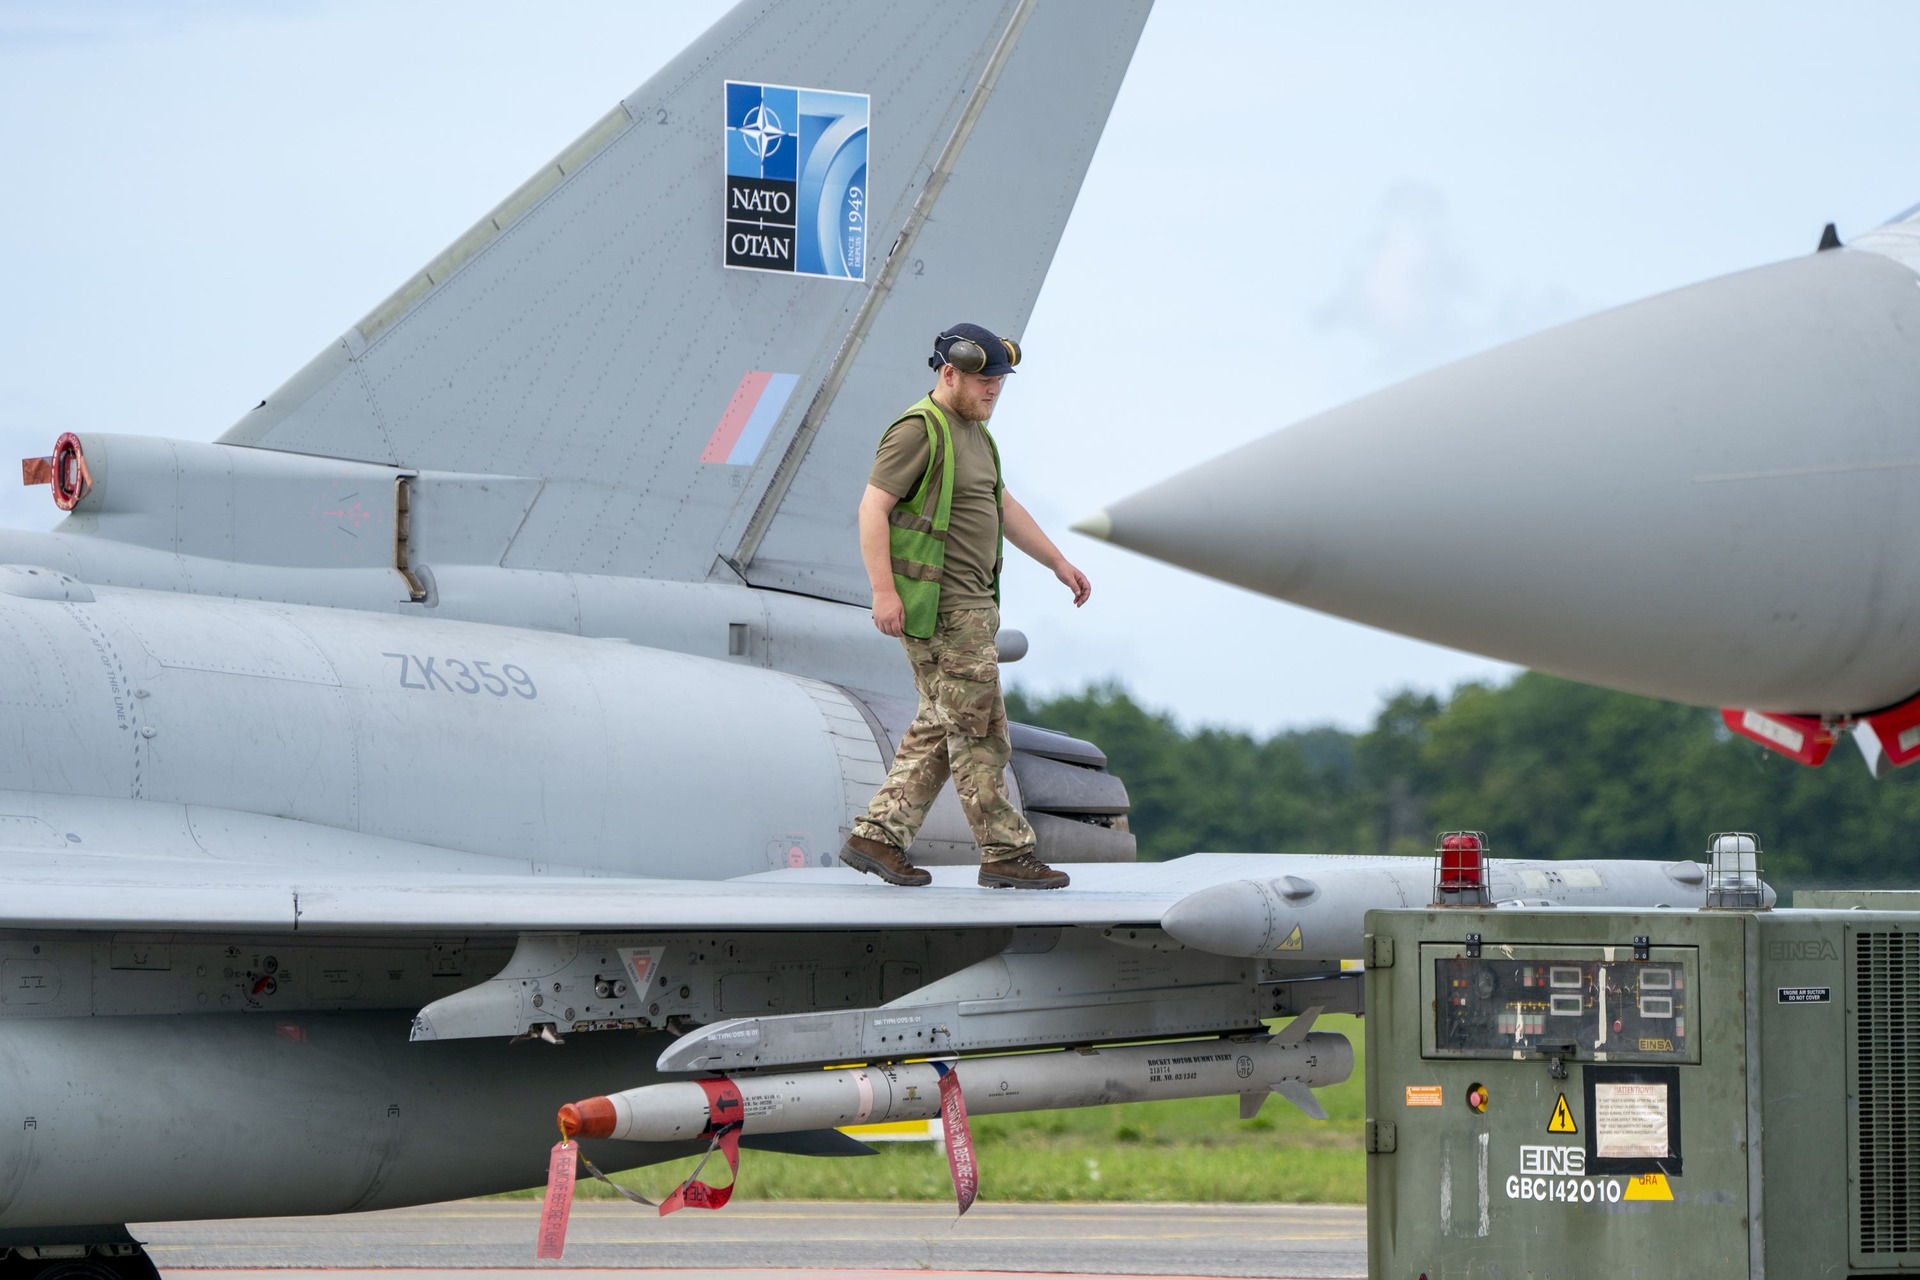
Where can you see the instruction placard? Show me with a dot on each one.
(1630, 1122)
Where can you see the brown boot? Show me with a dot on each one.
(882, 859)
(1022, 872)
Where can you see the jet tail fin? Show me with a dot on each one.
(692, 326)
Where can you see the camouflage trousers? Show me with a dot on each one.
(961, 732)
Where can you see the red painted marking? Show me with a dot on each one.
(553, 1216)
(734, 420)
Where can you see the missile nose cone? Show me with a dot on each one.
(588, 1118)
(1702, 496)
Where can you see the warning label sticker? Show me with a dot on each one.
(1630, 1121)
(1424, 1095)
(1562, 1121)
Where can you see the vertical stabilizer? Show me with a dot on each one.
(686, 417)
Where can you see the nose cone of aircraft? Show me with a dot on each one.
(1709, 496)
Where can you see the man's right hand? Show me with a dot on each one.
(889, 614)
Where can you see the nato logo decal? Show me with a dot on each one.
(797, 180)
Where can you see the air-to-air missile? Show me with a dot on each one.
(1291, 1064)
(1707, 496)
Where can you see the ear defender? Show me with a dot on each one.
(968, 356)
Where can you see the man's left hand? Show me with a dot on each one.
(1074, 581)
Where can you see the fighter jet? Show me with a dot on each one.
(470, 730)
(1704, 496)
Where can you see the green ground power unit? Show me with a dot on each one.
(1653, 1093)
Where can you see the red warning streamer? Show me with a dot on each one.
(553, 1217)
(725, 1114)
(960, 1161)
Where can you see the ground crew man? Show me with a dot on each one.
(932, 525)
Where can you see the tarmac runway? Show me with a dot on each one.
(782, 1241)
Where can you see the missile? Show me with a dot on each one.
(1707, 496)
(1319, 914)
(1291, 1064)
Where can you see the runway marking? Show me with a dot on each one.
(759, 1273)
(493, 1240)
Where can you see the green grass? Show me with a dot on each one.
(1195, 1150)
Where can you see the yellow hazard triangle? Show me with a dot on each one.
(1562, 1121)
(1648, 1186)
(1291, 942)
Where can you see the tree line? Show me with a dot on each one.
(1548, 768)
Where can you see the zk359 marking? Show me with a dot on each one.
(458, 675)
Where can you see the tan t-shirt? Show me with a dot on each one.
(973, 525)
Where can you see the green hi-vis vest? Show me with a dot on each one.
(917, 540)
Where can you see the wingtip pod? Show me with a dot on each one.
(589, 1118)
(1284, 916)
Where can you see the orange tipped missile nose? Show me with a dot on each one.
(591, 1118)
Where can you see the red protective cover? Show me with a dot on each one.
(1801, 738)
(1898, 729)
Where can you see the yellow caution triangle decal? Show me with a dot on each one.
(1562, 1121)
(1291, 942)
(1648, 1186)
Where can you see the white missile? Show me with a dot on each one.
(1291, 1064)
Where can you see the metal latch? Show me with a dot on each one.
(1557, 1052)
(1381, 1137)
(1377, 951)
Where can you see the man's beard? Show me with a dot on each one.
(973, 407)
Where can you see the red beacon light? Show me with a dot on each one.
(1460, 878)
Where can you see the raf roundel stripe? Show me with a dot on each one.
(748, 421)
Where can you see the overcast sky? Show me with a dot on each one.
(1293, 205)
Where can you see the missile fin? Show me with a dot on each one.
(808, 1142)
(1296, 1031)
(1250, 1104)
(1302, 1097)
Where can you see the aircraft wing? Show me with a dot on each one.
(163, 868)
(104, 891)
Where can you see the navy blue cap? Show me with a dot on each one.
(974, 341)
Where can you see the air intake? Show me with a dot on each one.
(1886, 1086)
